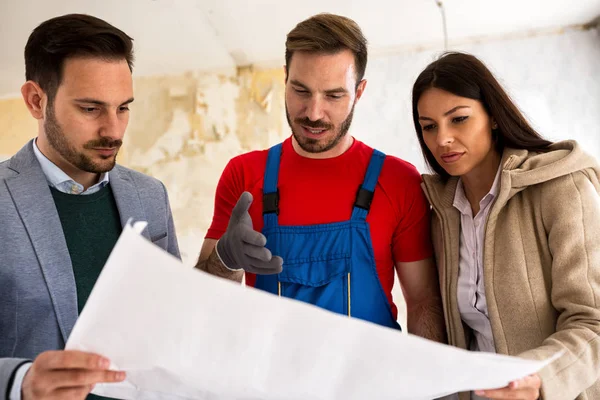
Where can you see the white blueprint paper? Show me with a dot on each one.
(182, 334)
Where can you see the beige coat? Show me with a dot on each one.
(541, 264)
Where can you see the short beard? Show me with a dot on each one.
(314, 145)
(60, 143)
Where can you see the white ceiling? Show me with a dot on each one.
(173, 36)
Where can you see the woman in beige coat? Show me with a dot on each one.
(516, 231)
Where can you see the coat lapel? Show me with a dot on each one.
(127, 198)
(35, 205)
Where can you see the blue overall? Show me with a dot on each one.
(329, 265)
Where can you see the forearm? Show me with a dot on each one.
(576, 370)
(426, 319)
(214, 266)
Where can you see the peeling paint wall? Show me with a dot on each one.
(185, 128)
(201, 122)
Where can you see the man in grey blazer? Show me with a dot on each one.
(63, 203)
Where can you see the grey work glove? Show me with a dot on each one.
(241, 247)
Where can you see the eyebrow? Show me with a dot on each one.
(100, 103)
(329, 91)
(445, 114)
(298, 83)
(336, 91)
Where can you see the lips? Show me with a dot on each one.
(106, 151)
(451, 157)
(313, 132)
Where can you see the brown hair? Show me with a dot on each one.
(466, 76)
(329, 34)
(68, 36)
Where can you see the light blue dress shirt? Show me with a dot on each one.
(62, 182)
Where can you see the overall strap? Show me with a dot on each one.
(365, 193)
(270, 192)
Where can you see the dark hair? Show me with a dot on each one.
(466, 76)
(69, 36)
(329, 34)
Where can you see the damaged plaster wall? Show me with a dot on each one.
(185, 128)
(202, 120)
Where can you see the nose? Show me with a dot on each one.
(314, 108)
(444, 137)
(112, 127)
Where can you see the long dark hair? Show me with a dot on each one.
(466, 76)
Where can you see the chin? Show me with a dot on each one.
(104, 165)
(457, 171)
(452, 170)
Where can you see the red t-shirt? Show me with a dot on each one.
(319, 191)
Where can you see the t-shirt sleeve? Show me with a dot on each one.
(229, 189)
(412, 238)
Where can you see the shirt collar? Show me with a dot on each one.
(59, 180)
(461, 203)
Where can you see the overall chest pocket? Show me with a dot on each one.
(321, 282)
(316, 264)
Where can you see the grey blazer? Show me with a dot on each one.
(38, 300)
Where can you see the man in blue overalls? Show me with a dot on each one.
(322, 217)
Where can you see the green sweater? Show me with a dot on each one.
(91, 225)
